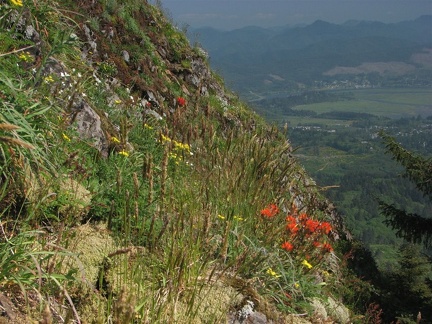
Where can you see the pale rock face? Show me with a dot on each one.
(32, 34)
(89, 126)
(248, 315)
(88, 122)
(338, 311)
(126, 56)
(319, 310)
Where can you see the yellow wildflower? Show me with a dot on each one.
(238, 218)
(186, 147)
(115, 139)
(221, 216)
(181, 146)
(165, 138)
(307, 264)
(325, 273)
(148, 126)
(65, 137)
(17, 3)
(272, 273)
(124, 153)
(177, 145)
(48, 79)
(117, 101)
(26, 57)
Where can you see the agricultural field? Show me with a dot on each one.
(391, 103)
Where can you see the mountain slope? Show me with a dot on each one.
(136, 188)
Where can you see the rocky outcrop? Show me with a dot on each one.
(89, 126)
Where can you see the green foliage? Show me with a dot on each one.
(107, 69)
(411, 227)
(418, 169)
(410, 289)
(126, 200)
(28, 267)
(290, 285)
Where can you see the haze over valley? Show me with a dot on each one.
(260, 62)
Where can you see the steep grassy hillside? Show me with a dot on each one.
(136, 189)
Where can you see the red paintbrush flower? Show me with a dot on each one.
(316, 244)
(292, 227)
(287, 246)
(181, 101)
(327, 247)
(325, 227)
(270, 211)
(311, 225)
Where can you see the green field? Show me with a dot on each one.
(297, 120)
(393, 103)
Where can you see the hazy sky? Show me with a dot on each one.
(231, 14)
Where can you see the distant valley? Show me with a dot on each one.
(257, 61)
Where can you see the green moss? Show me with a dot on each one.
(92, 244)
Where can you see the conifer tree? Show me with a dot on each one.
(412, 227)
(411, 289)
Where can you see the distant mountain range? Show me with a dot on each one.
(274, 59)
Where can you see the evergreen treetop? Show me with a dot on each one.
(418, 169)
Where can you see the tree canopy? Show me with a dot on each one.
(418, 169)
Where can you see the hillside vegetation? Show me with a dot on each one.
(135, 188)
